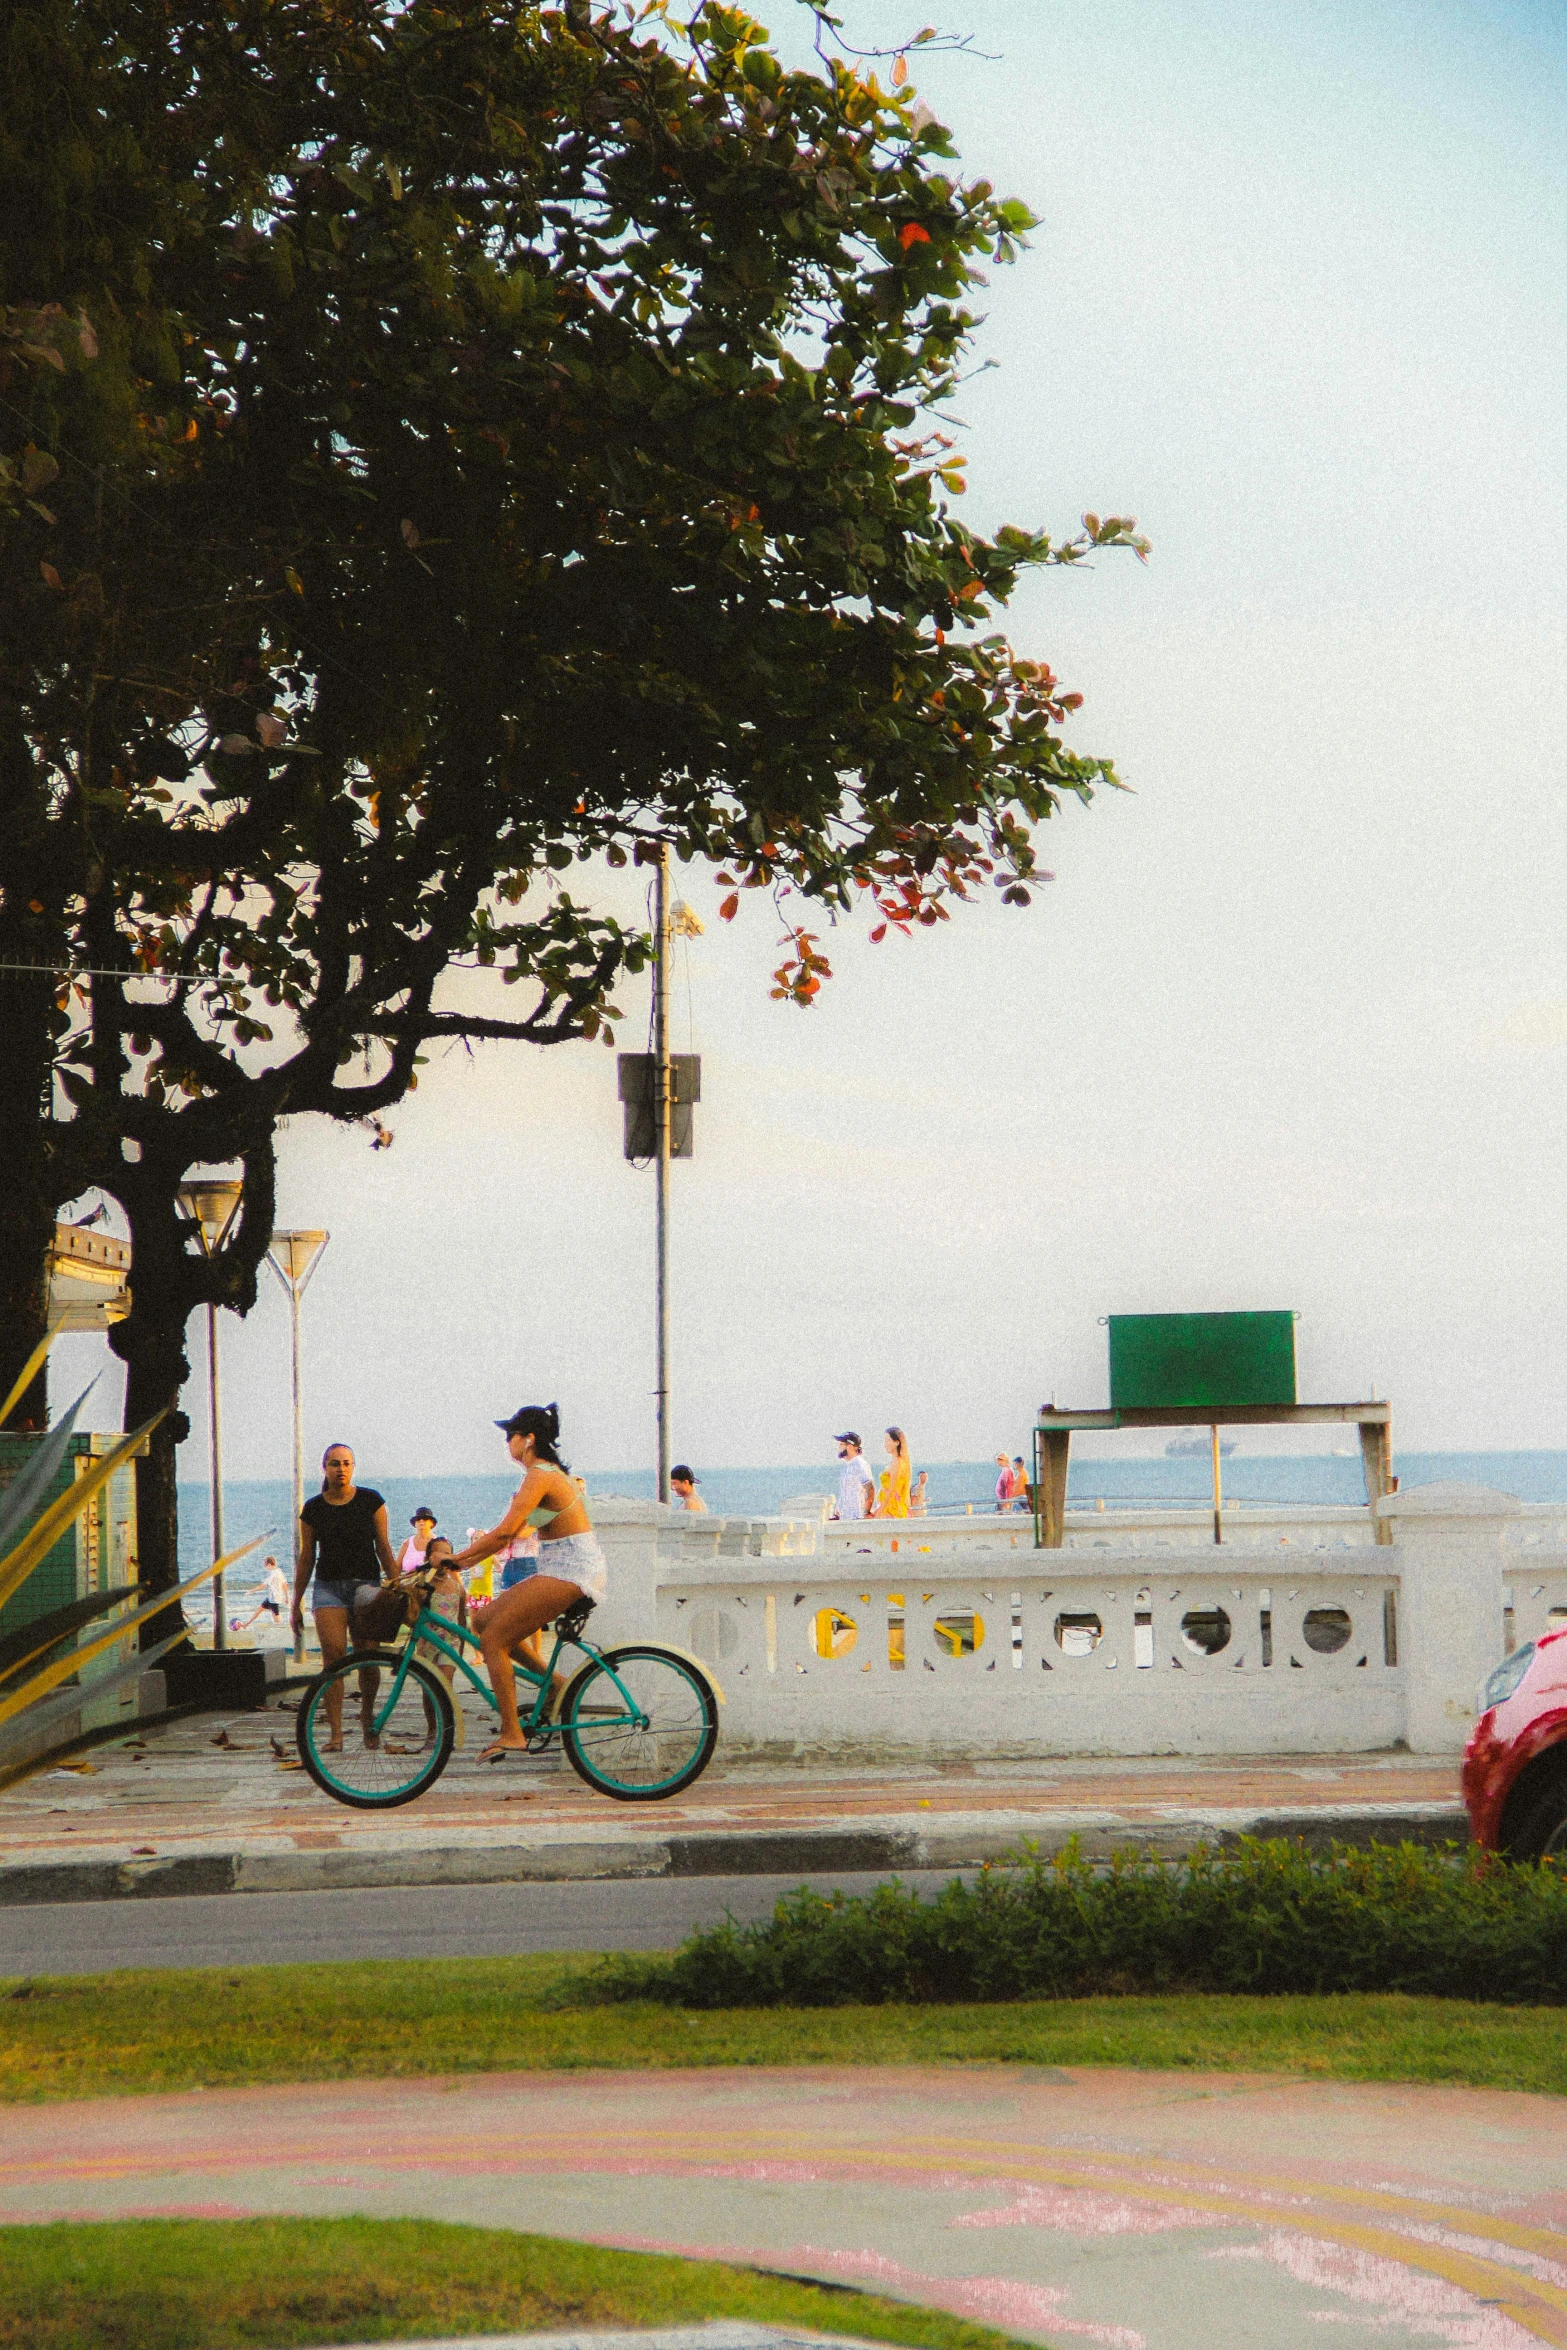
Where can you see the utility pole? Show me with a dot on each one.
(661, 1106)
(658, 1092)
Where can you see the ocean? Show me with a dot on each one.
(262, 1505)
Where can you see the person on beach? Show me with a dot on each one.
(682, 1484)
(412, 1555)
(344, 1543)
(274, 1598)
(570, 1567)
(856, 1485)
(1003, 1482)
(893, 1501)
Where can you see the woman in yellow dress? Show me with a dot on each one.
(893, 1501)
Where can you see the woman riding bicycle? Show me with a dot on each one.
(571, 1564)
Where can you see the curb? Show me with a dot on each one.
(954, 1842)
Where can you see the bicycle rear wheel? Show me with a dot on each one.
(653, 1746)
(376, 1768)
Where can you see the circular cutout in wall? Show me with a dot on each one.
(1078, 1635)
(1326, 1629)
(1205, 1630)
(832, 1632)
(959, 1635)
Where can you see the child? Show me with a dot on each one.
(446, 1598)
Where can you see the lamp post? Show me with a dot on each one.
(661, 1148)
(211, 1203)
(293, 1257)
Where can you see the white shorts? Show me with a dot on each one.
(576, 1558)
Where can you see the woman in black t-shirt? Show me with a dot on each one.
(344, 1542)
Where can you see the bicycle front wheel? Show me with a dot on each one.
(391, 1748)
(639, 1723)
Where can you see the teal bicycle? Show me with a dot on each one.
(638, 1722)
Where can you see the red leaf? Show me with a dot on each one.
(900, 72)
(912, 234)
(729, 909)
(51, 577)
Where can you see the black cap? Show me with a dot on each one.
(529, 1412)
(848, 1437)
(684, 1472)
(423, 1511)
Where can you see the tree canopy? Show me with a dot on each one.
(440, 447)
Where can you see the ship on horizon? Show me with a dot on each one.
(1196, 1448)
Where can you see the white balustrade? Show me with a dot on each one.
(1009, 1659)
(919, 1638)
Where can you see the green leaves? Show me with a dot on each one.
(516, 441)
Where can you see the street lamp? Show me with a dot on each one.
(211, 1203)
(293, 1257)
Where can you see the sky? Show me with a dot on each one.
(1289, 1027)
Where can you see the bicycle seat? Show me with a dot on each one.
(572, 1621)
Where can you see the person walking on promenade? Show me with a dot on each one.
(917, 1498)
(856, 1485)
(344, 1543)
(1003, 1482)
(274, 1598)
(412, 1555)
(1019, 1482)
(682, 1484)
(571, 1564)
(894, 1501)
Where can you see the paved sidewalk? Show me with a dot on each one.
(1137, 2211)
(719, 2333)
(217, 1804)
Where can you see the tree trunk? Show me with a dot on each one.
(151, 1343)
(157, 1503)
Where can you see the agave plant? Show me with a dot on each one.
(26, 1540)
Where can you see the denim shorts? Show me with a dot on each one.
(349, 1595)
(518, 1570)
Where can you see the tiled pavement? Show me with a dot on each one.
(218, 1803)
(1138, 2211)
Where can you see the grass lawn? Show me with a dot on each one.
(158, 2284)
(95, 2035)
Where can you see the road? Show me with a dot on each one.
(427, 1921)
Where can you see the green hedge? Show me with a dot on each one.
(1264, 1917)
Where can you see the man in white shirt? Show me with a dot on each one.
(856, 1485)
(275, 1597)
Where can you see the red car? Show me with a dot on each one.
(1515, 1765)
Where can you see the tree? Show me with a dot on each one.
(509, 445)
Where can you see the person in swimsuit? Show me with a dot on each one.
(894, 1501)
(344, 1543)
(571, 1565)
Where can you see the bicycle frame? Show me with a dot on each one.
(429, 1626)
